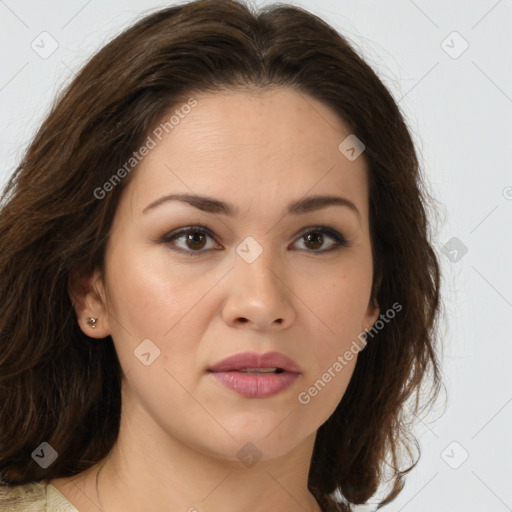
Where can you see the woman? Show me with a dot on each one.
(218, 289)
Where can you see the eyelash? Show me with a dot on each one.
(340, 240)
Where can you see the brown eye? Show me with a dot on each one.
(315, 238)
(191, 240)
(195, 240)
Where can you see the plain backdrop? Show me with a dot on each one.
(449, 66)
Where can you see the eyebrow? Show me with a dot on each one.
(211, 205)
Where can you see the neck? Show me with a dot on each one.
(149, 469)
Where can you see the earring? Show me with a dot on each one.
(92, 322)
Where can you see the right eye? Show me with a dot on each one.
(194, 239)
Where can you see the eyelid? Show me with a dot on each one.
(340, 241)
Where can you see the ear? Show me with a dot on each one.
(87, 294)
(371, 316)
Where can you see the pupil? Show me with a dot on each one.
(314, 236)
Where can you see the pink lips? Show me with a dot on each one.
(256, 385)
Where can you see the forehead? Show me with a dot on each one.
(265, 146)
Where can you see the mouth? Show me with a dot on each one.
(252, 362)
(259, 371)
(255, 375)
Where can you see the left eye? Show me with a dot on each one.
(195, 239)
(316, 237)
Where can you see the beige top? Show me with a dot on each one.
(33, 497)
(39, 497)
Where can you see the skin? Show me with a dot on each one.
(181, 429)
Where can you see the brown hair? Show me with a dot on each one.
(60, 386)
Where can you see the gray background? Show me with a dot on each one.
(459, 108)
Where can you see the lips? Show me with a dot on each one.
(255, 375)
(257, 362)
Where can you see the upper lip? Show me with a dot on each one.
(246, 360)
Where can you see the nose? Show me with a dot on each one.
(259, 295)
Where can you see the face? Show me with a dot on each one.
(187, 286)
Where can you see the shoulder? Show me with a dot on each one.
(33, 497)
(27, 498)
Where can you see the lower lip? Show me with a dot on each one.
(256, 386)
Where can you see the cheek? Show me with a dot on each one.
(343, 304)
(341, 309)
(322, 392)
(150, 299)
(147, 298)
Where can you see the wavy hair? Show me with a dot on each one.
(60, 386)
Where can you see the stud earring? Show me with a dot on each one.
(92, 322)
